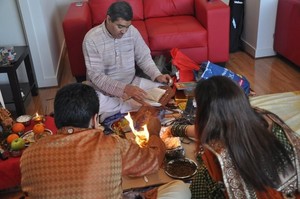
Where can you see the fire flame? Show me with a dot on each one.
(38, 118)
(141, 137)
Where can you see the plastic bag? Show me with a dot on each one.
(212, 69)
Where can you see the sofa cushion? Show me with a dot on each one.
(99, 9)
(140, 25)
(166, 8)
(184, 31)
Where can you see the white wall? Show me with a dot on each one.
(259, 27)
(11, 33)
(41, 30)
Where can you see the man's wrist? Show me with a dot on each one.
(125, 96)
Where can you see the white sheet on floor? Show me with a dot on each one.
(285, 105)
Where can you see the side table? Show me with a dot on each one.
(22, 54)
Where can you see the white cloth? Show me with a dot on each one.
(111, 105)
(175, 189)
(286, 105)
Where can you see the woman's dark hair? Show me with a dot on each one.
(224, 113)
(75, 105)
(120, 9)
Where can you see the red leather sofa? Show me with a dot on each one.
(199, 28)
(287, 30)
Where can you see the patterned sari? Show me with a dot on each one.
(218, 178)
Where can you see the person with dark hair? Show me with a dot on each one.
(111, 51)
(80, 161)
(75, 105)
(243, 151)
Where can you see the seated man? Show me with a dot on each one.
(80, 161)
(111, 51)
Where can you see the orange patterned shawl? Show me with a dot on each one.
(85, 164)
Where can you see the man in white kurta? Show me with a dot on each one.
(111, 51)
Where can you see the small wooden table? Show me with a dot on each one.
(22, 54)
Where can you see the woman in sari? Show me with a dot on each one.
(243, 152)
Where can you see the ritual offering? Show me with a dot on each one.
(30, 136)
(151, 126)
(16, 147)
(6, 120)
(17, 144)
(181, 168)
(173, 145)
(120, 127)
(38, 128)
(38, 118)
(11, 137)
(24, 119)
(18, 128)
(170, 141)
(141, 136)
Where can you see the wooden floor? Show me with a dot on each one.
(266, 76)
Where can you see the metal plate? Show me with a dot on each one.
(181, 168)
(30, 137)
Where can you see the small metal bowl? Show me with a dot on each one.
(38, 118)
(24, 119)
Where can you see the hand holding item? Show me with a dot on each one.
(164, 78)
(153, 126)
(135, 92)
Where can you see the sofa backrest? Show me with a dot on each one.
(167, 8)
(99, 9)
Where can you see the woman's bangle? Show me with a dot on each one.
(179, 130)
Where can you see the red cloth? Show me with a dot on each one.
(184, 64)
(10, 175)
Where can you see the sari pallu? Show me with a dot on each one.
(217, 177)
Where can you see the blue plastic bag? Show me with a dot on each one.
(211, 69)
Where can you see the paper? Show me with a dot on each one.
(155, 94)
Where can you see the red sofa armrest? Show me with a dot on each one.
(214, 15)
(76, 23)
(287, 30)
